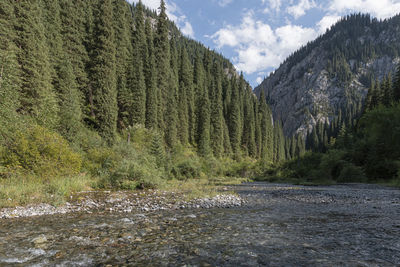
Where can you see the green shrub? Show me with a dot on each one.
(186, 169)
(41, 151)
(351, 173)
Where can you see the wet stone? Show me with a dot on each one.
(263, 225)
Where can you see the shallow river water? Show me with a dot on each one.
(279, 225)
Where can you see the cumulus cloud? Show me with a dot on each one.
(258, 46)
(379, 8)
(174, 13)
(301, 8)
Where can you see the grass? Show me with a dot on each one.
(297, 181)
(24, 190)
(201, 188)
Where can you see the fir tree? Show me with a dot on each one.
(124, 58)
(9, 71)
(103, 72)
(162, 59)
(217, 112)
(150, 78)
(235, 119)
(186, 98)
(38, 98)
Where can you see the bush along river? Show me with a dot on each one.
(265, 225)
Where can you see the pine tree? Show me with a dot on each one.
(63, 79)
(124, 58)
(235, 119)
(204, 125)
(138, 115)
(396, 85)
(103, 72)
(38, 98)
(9, 71)
(217, 118)
(150, 78)
(186, 87)
(74, 37)
(171, 115)
(162, 58)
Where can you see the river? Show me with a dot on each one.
(279, 225)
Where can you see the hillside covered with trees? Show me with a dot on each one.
(111, 90)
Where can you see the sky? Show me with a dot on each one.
(257, 35)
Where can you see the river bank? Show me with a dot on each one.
(276, 225)
(123, 202)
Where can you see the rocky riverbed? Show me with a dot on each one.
(122, 202)
(276, 225)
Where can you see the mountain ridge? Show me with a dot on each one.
(332, 73)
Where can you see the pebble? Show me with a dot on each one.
(125, 202)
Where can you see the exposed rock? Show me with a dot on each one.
(301, 92)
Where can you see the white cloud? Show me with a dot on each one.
(301, 8)
(326, 22)
(152, 4)
(187, 29)
(258, 46)
(259, 80)
(379, 8)
(173, 12)
(273, 5)
(224, 3)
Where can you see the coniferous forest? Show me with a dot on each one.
(112, 90)
(104, 94)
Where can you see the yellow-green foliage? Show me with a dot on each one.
(41, 151)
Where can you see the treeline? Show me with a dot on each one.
(366, 150)
(78, 67)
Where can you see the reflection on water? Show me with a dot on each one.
(355, 225)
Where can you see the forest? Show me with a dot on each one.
(105, 94)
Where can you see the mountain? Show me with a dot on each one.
(330, 76)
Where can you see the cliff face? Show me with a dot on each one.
(332, 73)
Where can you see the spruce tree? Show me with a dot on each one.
(217, 118)
(75, 37)
(162, 58)
(204, 125)
(63, 80)
(103, 71)
(150, 78)
(138, 115)
(235, 121)
(38, 98)
(396, 85)
(124, 58)
(9, 71)
(187, 97)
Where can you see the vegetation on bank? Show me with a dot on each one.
(104, 94)
(368, 153)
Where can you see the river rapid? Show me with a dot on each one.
(278, 225)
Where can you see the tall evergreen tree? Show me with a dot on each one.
(162, 58)
(9, 71)
(75, 37)
(235, 119)
(139, 59)
(151, 81)
(38, 98)
(187, 96)
(103, 72)
(124, 58)
(217, 119)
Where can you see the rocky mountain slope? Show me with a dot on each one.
(333, 72)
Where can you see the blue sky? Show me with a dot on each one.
(257, 35)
